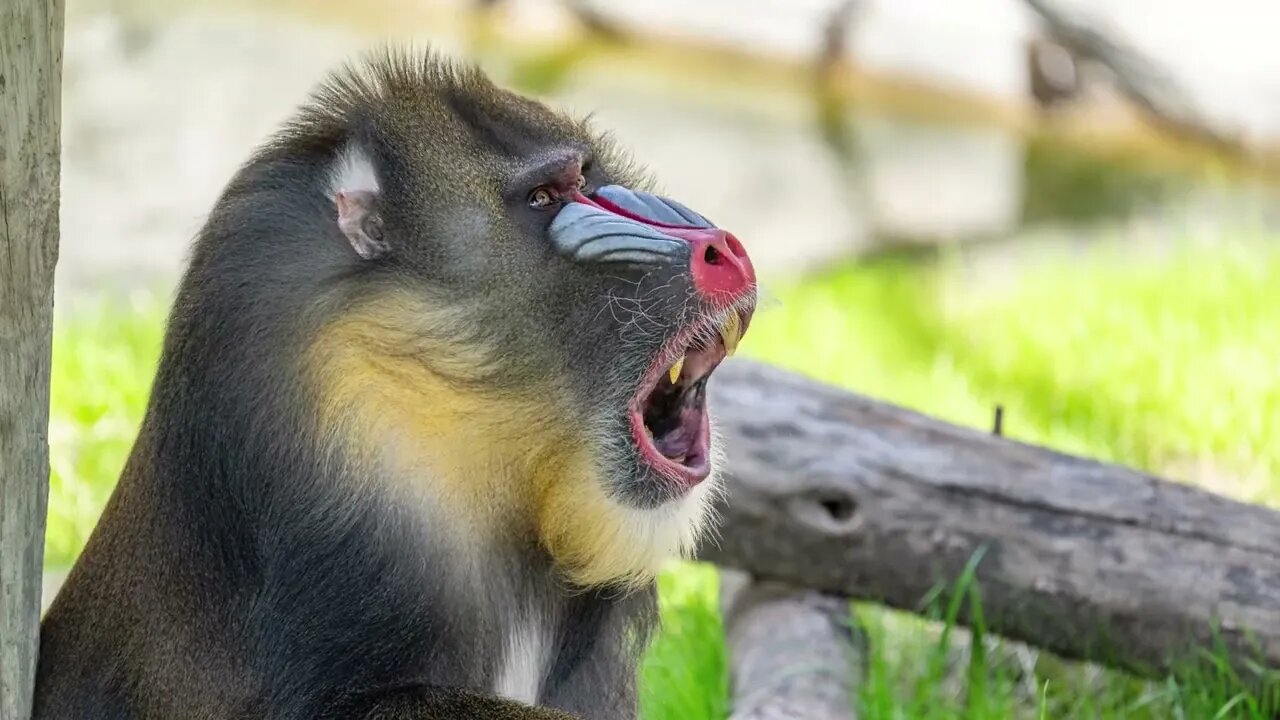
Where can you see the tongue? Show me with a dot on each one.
(678, 442)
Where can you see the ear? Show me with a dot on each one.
(356, 193)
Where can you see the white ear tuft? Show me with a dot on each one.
(353, 187)
(353, 172)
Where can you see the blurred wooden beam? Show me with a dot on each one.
(1139, 78)
(795, 654)
(31, 35)
(846, 495)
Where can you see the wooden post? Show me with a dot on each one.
(31, 35)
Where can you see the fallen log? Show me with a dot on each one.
(843, 494)
(794, 653)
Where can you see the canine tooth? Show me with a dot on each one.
(674, 372)
(731, 333)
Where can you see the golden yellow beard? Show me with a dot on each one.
(490, 465)
(598, 541)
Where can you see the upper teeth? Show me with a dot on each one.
(674, 373)
(731, 332)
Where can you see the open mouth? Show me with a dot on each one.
(618, 226)
(669, 418)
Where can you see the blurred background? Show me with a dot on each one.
(1065, 207)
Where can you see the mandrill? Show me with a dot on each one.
(430, 414)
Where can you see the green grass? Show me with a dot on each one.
(104, 356)
(930, 670)
(1169, 366)
(686, 675)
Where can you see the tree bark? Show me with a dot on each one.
(847, 495)
(30, 113)
(795, 654)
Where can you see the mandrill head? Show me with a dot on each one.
(518, 334)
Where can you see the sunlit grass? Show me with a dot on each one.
(104, 356)
(686, 674)
(918, 670)
(1165, 365)
(1168, 365)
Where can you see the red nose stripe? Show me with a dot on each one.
(604, 204)
(719, 264)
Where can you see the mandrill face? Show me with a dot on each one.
(689, 300)
(528, 332)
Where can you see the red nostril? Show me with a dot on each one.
(719, 263)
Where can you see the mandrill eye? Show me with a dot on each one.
(541, 198)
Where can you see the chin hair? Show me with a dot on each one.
(598, 539)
